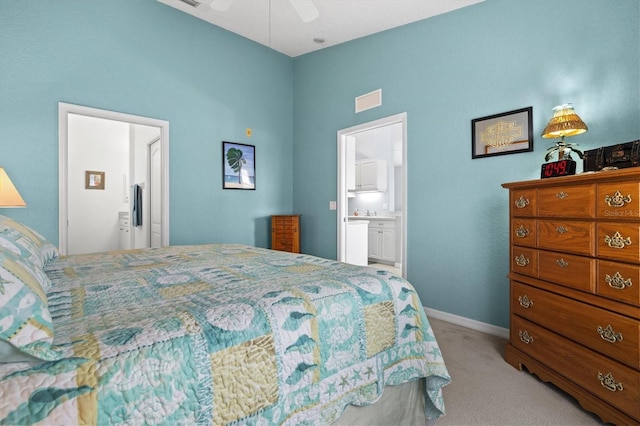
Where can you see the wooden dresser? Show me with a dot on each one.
(575, 287)
(285, 233)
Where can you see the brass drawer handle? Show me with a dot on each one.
(525, 302)
(562, 195)
(609, 382)
(522, 232)
(609, 335)
(617, 281)
(522, 202)
(617, 199)
(561, 229)
(617, 241)
(562, 263)
(525, 337)
(521, 260)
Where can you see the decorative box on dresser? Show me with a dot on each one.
(285, 233)
(575, 287)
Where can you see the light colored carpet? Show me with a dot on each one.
(488, 391)
(485, 390)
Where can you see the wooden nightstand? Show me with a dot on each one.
(285, 233)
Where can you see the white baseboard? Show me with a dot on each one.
(469, 323)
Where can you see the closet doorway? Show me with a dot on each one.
(130, 153)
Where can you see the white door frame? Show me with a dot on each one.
(342, 202)
(64, 109)
(152, 188)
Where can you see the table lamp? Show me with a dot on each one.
(565, 122)
(9, 195)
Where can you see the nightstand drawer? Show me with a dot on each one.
(611, 334)
(283, 222)
(524, 261)
(619, 241)
(568, 270)
(618, 200)
(574, 236)
(611, 381)
(619, 281)
(567, 201)
(523, 202)
(523, 232)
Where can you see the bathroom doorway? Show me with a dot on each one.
(130, 154)
(383, 207)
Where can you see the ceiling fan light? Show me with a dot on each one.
(305, 9)
(221, 5)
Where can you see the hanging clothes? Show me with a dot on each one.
(137, 205)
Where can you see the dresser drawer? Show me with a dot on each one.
(620, 241)
(283, 222)
(568, 270)
(524, 261)
(619, 281)
(611, 381)
(618, 200)
(573, 236)
(567, 201)
(611, 334)
(523, 202)
(523, 232)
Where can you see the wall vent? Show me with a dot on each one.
(369, 100)
(192, 3)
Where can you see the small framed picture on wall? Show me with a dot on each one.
(238, 166)
(505, 133)
(93, 180)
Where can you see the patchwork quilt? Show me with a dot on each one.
(220, 334)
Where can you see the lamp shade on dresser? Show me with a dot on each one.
(575, 287)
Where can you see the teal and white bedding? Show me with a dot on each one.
(219, 334)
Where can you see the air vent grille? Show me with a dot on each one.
(369, 100)
(192, 3)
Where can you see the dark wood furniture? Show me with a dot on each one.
(575, 287)
(285, 233)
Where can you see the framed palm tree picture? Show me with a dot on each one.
(238, 166)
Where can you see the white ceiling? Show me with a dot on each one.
(275, 23)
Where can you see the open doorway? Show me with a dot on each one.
(130, 207)
(372, 196)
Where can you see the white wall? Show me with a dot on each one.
(96, 145)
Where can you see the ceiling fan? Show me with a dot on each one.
(305, 9)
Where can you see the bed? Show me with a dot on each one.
(207, 334)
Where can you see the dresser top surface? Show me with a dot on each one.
(581, 178)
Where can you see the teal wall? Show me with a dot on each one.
(485, 59)
(144, 58)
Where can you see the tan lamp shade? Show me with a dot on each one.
(565, 122)
(9, 195)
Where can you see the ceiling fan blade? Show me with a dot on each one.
(221, 5)
(305, 9)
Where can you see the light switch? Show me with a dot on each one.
(332, 205)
